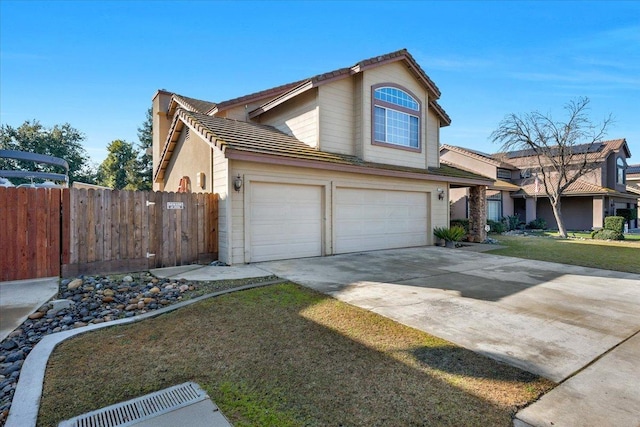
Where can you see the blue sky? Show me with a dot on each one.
(96, 65)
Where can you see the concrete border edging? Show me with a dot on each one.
(26, 400)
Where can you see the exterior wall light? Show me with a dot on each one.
(440, 194)
(237, 183)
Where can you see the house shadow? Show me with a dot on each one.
(461, 361)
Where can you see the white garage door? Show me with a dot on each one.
(379, 219)
(286, 221)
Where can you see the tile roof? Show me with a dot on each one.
(255, 138)
(193, 104)
(477, 155)
(576, 188)
(633, 169)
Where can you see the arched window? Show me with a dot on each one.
(620, 171)
(396, 117)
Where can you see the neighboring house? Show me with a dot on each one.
(633, 176)
(518, 189)
(345, 161)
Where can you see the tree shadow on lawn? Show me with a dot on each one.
(302, 355)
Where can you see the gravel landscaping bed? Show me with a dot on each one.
(95, 299)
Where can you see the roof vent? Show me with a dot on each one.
(157, 406)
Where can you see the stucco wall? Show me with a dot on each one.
(577, 212)
(190, 156)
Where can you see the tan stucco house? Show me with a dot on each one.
(344, 161)
(518, 190)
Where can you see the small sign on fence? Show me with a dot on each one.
(175, 205)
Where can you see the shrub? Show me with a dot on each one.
(496, 226)
(452, 234)
(512, 222)
(614, 223)
(464, 223)
(627, 214)
(605, 234)
(537, 224)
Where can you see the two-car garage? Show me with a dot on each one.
(291, 220)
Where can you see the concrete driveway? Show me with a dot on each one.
(550, 319)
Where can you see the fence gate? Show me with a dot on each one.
(110, 231)
(29, 233)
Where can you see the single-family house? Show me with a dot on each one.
(518, 187)
(344, 161)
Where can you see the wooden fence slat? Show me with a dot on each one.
(115, 225)
(65, 218)
(153, 228)
(144, 218)
(54, 231)
(137, 230)
(98, 221)
(130, 225)
(124, 254)
(106, 226)
(41, 231)
(6, 242)
(81, 222)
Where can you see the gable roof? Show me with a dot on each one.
(321, 79)
(279, 94)
(577, 188)
(258, 142)
(478, 155)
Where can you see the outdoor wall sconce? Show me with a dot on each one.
(440, 194)
(237, 183)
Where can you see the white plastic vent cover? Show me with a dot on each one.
(142, 408)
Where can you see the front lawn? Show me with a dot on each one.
(284, 355)
(579, 250)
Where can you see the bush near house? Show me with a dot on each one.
(496, 226)
(537, 224)
(463, 222)
(613, 229)
(512, 222)
(627, 214)
(453, 234)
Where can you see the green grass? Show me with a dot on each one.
(284, 355)
(579, 250)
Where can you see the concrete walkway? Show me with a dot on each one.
(20, 298)
(576, 326)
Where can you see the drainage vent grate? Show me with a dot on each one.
(140, 409)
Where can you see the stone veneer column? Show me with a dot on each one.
(477, 213)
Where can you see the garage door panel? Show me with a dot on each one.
(285, 221)
(369, 219)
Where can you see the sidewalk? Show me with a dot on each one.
(20, 298)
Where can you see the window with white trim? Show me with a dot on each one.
(620, 171)
(396, 117)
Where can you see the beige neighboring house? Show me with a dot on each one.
(345, 161)
(518, 189)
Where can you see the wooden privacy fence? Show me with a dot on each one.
(119, 231)
(53, 232)
(29, 233)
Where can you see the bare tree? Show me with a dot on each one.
(563, 151)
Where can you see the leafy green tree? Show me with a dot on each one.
(61, 141)
(120, 170)
(145, 136)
